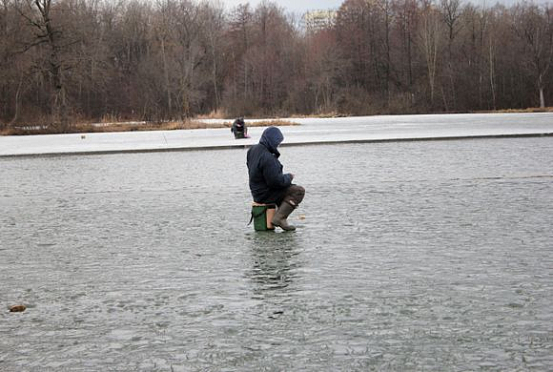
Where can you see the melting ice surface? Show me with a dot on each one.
(408, 256)
(310, 130)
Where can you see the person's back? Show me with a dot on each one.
(268, 184)
(267, 181)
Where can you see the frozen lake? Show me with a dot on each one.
(310, 131)
(409, 256)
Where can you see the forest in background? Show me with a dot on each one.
(68, 61)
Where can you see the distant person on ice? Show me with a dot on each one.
(239, 129)
(267, 182)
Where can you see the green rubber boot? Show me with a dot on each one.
(282, 213)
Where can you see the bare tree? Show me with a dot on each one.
(7, 59)
(163, 32)
(63, 60)
(48, 33)
(191, 52)
(535, 28)
(430, 32)
(213, 35)
(239, 35)
(451, 14)
(407, 14)
(388, 18)
(492, 57)
(324, 68)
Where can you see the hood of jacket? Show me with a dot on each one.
(271, 138)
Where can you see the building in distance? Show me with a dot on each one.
(317, 20)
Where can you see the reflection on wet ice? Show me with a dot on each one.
(273, 262)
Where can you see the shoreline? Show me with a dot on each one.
(293, 144)
(138, 126)
(309, 132)
(217, 123)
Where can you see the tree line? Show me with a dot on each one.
(65, 61)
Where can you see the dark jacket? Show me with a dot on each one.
(239, 128)
(267, 182)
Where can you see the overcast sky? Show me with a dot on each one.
(301, 6)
